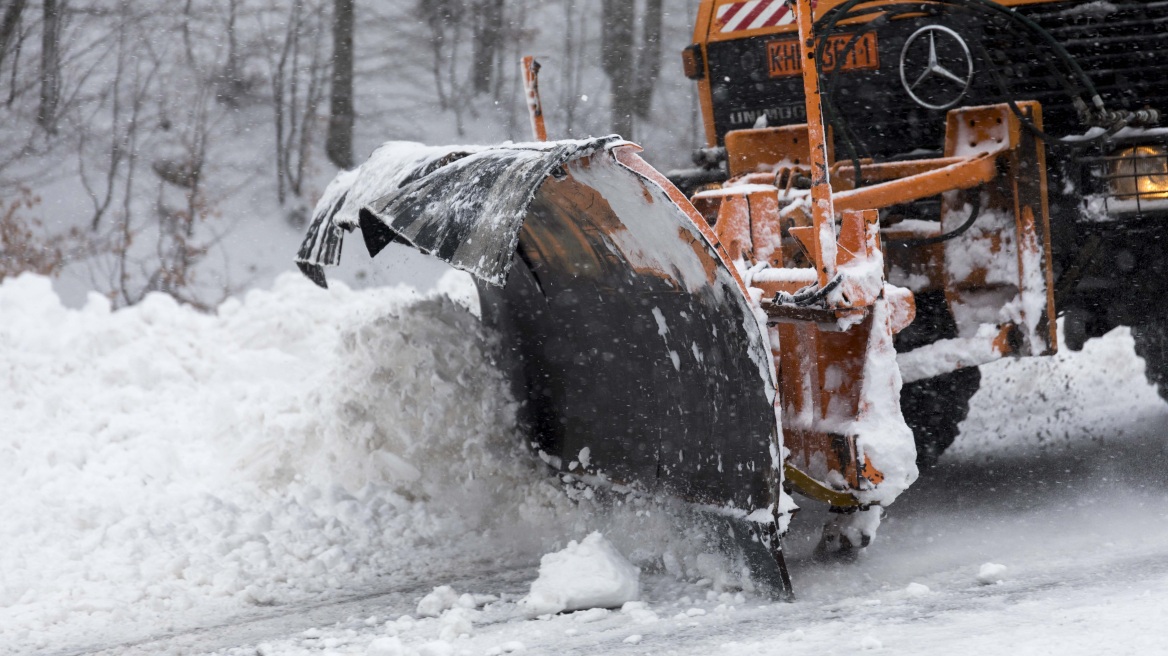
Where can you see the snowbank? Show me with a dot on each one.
(163, 468)
(586, 574)
(1058, 401)
(155, 459)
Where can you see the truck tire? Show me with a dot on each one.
(934, 407)
(1152, 345)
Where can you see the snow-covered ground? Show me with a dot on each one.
(297, 473)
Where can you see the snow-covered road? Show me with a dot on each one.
(175, 483)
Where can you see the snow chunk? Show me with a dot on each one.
(388, 647)
(590, 615)
(639, 612)
(436, 648)
(916, 590)
(662, 327)
(587, 574)
(991, 573)
(442, 599)
(455, 623)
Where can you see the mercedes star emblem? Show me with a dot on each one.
(941, 80)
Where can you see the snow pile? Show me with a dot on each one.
(587, 574)
(155, 460)
(444, 598)
(1059, 400)
(162, 467)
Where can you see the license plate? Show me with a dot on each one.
(785, 57)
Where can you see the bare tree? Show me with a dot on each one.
(339, 143)
(177, 249)
(298, 85)
(8, 23)
(575, 36)
(619, 61)
(15, 12)
(648, 66)
(118, 141)
(231, 83)
(488, 37)
(50, 66)
(443, 18)
(632, 67)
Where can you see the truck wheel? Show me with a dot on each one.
(1152, 345)
(933, 408)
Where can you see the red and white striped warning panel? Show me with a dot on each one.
(754, 14)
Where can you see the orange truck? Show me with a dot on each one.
(896, 69)
(877, 212)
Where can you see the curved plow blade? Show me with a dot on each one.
(629, 339)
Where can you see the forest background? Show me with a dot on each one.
(179, 146)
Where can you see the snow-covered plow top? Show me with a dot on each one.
(463, 204)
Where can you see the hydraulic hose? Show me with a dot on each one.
(975, 210)
(809, 295)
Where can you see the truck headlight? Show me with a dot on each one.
(1139, 172)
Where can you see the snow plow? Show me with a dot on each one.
(743, 330)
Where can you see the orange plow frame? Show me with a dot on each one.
(798, 222)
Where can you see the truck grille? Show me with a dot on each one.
(1122, 46)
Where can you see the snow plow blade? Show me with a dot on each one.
(628, 337)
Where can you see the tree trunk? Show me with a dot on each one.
(488, 34)
(648, 58)
(50, 67)
(618, 61)
(339, 143)
(570, 96)
(8, 25)
(231, 86)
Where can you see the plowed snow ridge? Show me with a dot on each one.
(161, 468)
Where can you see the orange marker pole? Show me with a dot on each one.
(534, 106)
(822, 207)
